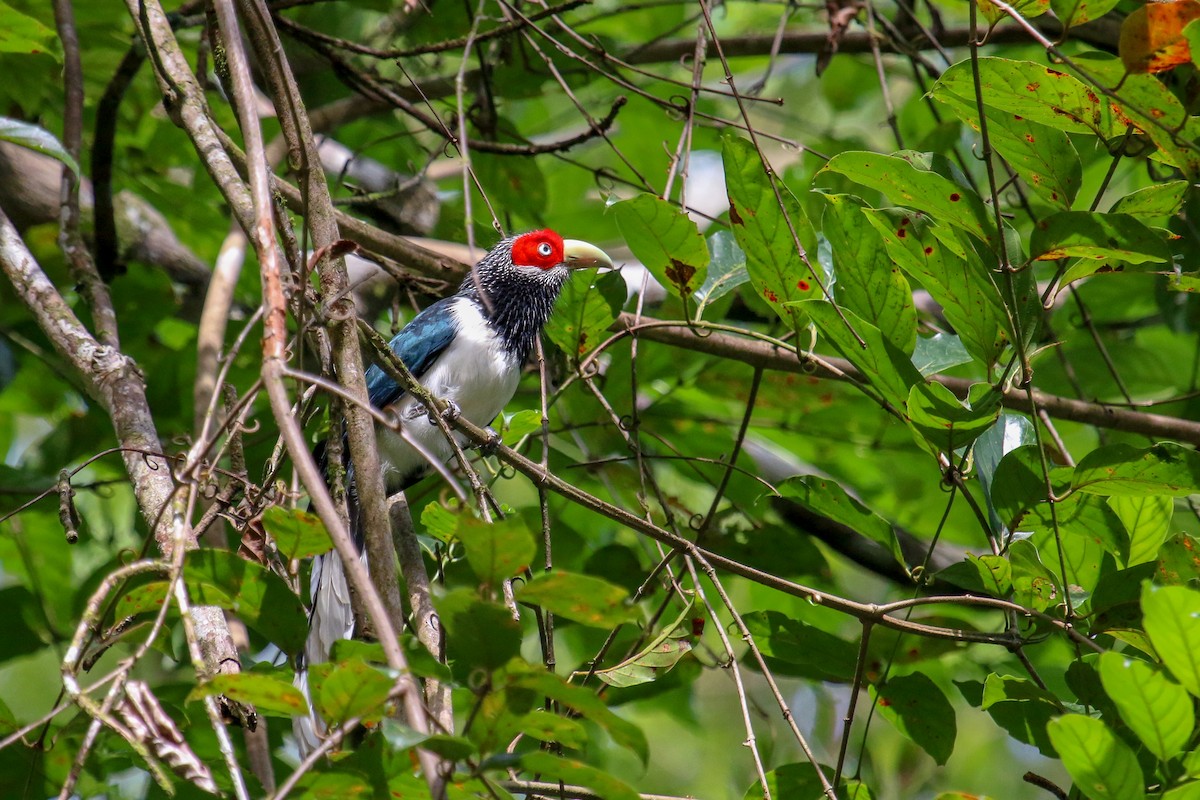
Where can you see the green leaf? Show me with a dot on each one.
(1102, 766)
(268, 694)
(1119, 469)
(665, 240)
(889, 371)
(1032, 90)
(778, 272)
(581, 598)
(350, 689)
(1177, 562)
(1033, 584)
(31, 136)
(827, 498)
(572, 771)
(726, 270)
(1171, 617)
(1188, 791)
(1026, 8)
(953, 276)
(480, 634)
(1154, 707)
(1147, 520)
(1084, 234)
(439, 522)
(1043, 156)
(868, 282)
(588, 304)
(1022, 709)
(512, 183)
(583, 701)
(547, 727)
(905, 183)
(258, 596)
(803, 649)
(1077, 12)
(21, 33)
(940, 352)
(1152, 204)
(521, 424)
(944, 421)
(496, 550)
(297, 534)
(918, 708)
(664, 652)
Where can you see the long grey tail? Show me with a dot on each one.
(331, 619)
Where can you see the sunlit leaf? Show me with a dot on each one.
(267, 693)
(1154, 707)
(1103, 767)
(1119, 469)
(297, 534)
(1084, 234)
(1172, 621)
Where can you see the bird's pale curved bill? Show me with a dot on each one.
(582, 255)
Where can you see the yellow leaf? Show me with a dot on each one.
(1152, 37)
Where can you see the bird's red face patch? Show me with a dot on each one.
(541, 249)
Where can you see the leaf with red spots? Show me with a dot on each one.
(868, 283)
(1153, 204)
(776, 268)
(918, 708)
(1043, 156)
(907, 183)
(1152, 37)
(665, 240)
(657, 657)
(953, 276)
(267, 693)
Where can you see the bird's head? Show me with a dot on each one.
(545, 250)
(538, 261)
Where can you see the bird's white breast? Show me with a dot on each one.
(475, 371)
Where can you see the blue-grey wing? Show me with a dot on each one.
(417, 345)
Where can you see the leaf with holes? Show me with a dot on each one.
(665, 240)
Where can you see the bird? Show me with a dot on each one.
(468, 349)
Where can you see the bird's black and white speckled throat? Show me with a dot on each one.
(515, 301)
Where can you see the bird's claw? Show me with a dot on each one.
(492, 443)
(449, 414)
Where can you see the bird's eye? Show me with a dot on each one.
(544, 249)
